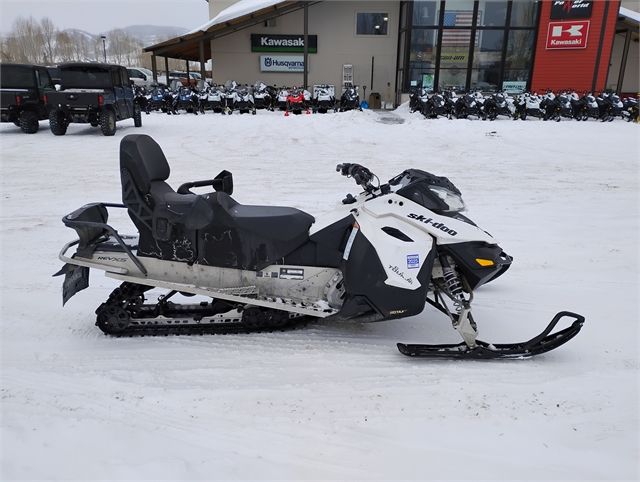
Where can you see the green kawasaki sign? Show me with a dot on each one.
(282, 43)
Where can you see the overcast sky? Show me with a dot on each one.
(97, 16)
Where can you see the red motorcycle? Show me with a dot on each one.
(296, 102)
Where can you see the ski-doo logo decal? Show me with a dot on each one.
(440, 226)
(397, 271)
(292, 273)
(413, 261)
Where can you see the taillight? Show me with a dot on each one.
(18, 99)
(100, 100)
(45, 99)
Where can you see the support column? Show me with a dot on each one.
(188, 78)
(305, 80)
(623, 61)
(153, 68)
(202, 71)
(166, 70)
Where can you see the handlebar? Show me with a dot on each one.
(360, 174)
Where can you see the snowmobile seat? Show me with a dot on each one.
(251, 237)
(167, 221)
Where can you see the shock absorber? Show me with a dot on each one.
(453, 283)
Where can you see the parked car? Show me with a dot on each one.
(24, 89)
(141, 76)
(93, 93)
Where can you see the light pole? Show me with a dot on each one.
(104, 47)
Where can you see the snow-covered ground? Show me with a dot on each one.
(333, 401)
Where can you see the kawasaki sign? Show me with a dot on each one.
(282, 43)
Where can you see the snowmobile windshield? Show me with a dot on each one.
(433, 192)
(16, 76)
(88, 78)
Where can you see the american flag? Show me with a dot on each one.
(457, 18)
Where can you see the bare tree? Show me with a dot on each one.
(29, 39)
(64, 47)
(49, 32)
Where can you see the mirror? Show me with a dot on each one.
(223, 182)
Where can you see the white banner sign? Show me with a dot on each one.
(514, 86)
(282, 63)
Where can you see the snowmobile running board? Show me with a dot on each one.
(542, 343)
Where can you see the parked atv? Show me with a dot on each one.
(92, 93)
(24, 89)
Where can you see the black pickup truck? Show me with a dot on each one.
(93, 93)
(23, 91)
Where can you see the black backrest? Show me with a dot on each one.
(144, 159)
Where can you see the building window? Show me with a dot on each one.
(372, 23)
(468, 44)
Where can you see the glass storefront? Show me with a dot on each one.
(466, 44)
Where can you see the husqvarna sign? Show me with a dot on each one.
(568, 35)
(281, 63)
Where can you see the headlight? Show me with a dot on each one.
(451, 199)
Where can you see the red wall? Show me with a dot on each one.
(574, 68)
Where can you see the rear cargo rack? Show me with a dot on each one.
(93, 224)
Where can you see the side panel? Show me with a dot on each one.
(365, 284)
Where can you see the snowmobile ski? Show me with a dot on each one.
(542, 343)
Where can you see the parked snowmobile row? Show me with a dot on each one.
(233, 97)
(379, 255)
(549, 106)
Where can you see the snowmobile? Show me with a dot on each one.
(263, 96)
(630, 106)
(324, 98)
(610, 106)
(141, 97)
(158, 99)
(230, 96)
(281, 99)
(380, 255)
(297, 102)
(244, 102)
(350, 98)
(469, 104)
(215, 99)
(419, 98)
(528, 104)
(433, 106)
(186, 99)
(497, 104)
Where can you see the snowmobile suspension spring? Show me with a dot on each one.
(452, 281)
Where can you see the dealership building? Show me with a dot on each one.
(391, 47)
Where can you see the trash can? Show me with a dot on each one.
(375, 101)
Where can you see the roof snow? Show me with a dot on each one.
(238, 9)
(631, 14)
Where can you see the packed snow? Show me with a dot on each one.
(333, 400)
